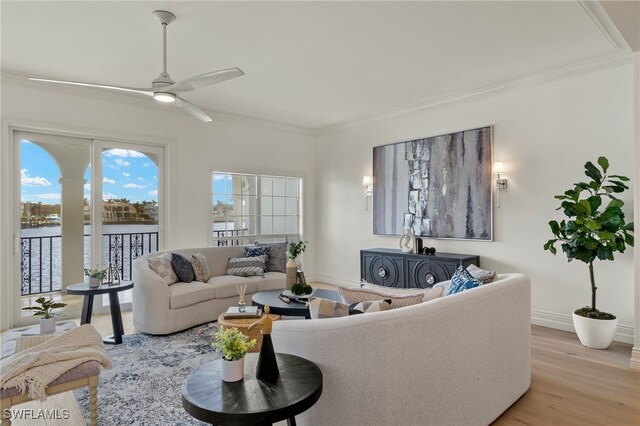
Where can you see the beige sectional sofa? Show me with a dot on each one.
(456, 360)
(162, 309)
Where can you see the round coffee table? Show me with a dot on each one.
(243, 325)
(114, 305)
(251, 401)
(295, 309)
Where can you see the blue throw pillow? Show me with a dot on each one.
(255, 251)
(182, 267)
(462, 280)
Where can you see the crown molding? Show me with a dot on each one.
(586, 66)
(18, 78)
(601, 20)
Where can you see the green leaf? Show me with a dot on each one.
(629, 226)
(604, 163)
(555, 228)
(592, 171)
(587, 207)
(592, 225)
(628, 238)
(622, 178)
(595, 202)
(605, 235)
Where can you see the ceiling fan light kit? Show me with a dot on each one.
(163, 88)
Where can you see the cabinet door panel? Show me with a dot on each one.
(393, 271)
(372, 263)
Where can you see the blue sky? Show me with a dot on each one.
(126, 174)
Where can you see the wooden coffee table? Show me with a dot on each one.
(294, 308)
(243, 325)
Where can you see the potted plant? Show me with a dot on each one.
(595, 228)
(45, 311)
(96, 275)
(295, 250)
(233, 345)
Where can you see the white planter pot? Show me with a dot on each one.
(595, 333)
(47, 325)
(232, 371)
(94, 282)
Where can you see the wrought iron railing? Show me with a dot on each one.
(226, 238)
(41, 264)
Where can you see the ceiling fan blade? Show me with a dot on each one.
(204, 80)
(193, 110)
(148, 92)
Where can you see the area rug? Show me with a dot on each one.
(144, 387)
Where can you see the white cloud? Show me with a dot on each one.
(107, 180)
(141, 179)
(27, 180)
(126, 174)
(133, 185)
(123, 153)
(121, 162)
(155, 177)
(154, 192)
(146, 165)
(48, 196)
(109, 196)
(87, 186)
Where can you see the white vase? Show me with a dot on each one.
(94, 282)
(47, 325)
(232, 371)
(292, 273)
(595, 333)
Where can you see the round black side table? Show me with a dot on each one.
(251, 401)
(114, 305)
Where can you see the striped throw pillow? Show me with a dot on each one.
(246, 266)
(200, 267)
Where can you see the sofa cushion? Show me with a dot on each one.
(461, 281)
(226, 285)
(161, 265)
(182, 268)
(480, 274)
(254, 251)
(271, 281)
(246, 266)
(371, 306)
(200, 267)
(429, 293)
(186, 294)
(324, 308)
(355, 295)
(277, 261)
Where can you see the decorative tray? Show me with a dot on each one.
(296, 296)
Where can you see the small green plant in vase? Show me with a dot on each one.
(233, 345)
(595, 229)
(45, 311)
(295, 250)
(96, 275)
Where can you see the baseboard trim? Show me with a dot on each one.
(564, 322)
(635, 358)
(343, 281)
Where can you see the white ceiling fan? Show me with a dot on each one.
(163, 88)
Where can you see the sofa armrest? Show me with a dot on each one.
(151, 299)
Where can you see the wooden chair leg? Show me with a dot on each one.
(6, 411)
(93, 400)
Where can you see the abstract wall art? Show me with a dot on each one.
(437, 187)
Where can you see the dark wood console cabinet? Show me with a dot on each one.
(393, 268)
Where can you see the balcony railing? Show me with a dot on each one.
(41, 262)
(230, 237)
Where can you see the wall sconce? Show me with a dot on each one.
(501, 183)
(368, 190)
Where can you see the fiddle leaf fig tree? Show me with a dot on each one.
(595, 227)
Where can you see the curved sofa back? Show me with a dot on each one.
(460, 359)
(217, 257)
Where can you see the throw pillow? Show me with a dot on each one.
(356, 295)
(480, 274)
(429, 293)
(324, 308)
(254, 251)
(246, 266)
(277, 261)
(161, 265)
(200, 267)
(367, 307)
(182, 267)
(461, 281)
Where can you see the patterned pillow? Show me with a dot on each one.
(246, 266)
(356, 295)
(182, 268)
(200, 267)
(366, 307)
(277, 261)
(429, 293)
(253, 251)
(161, 265)
(461, 281)
(482, 275)
(324, 308)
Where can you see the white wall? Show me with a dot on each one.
(195, 150)
(544, 135)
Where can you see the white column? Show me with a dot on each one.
(635, 353)
(72, 213)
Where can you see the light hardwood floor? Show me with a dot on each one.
(570, 384)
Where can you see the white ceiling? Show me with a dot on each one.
(308, 64)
